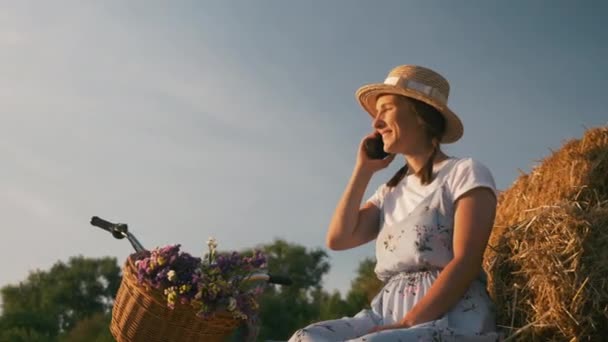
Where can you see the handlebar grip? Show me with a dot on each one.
(280, 280)
(101, 223)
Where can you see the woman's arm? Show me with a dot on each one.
(352, 225)
(473, 221)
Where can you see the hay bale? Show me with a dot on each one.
(547, 258)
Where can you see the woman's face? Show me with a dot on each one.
(402, 131)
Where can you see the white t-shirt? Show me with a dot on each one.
(459, 174)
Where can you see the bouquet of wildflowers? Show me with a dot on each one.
(210, 284)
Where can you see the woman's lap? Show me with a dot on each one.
(357, 328)
(338, 329)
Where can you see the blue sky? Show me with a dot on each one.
(238, 120)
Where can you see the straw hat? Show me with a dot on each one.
(419, 83)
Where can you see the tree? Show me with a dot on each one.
(72, 301)
(51, 302)
(365, 286)
(284, 310)
(363, 289)
(26, 326)
(92, 329)
(332, 306)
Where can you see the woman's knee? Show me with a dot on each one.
(302, 335)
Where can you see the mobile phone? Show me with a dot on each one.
(374, 147)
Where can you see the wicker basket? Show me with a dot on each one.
(142, 315)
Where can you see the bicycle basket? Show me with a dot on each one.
(141, 314)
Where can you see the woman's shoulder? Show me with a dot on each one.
(467, 173)
(468, 164)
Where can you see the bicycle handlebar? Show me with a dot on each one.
(279, 280)
(121, 230)
(118, 230)
(101, 223)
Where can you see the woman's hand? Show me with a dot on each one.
(364, 162)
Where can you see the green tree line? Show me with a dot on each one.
(73, 301)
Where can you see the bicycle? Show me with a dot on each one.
(245, 332)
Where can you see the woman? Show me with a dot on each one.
(431, 222)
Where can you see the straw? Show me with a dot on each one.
(547, 255)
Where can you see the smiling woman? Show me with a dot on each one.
(419, 121)
(431, 222)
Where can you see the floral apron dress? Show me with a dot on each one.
(410, 254)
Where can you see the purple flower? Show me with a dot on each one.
(215, 282)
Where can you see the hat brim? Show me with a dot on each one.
(368, 94)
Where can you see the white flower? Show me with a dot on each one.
(171, 275)
(231, 304)
(212, 243)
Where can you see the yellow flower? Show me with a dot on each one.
(184, 288)
(171, 296)
(171, 275)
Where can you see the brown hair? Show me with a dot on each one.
(434, 125)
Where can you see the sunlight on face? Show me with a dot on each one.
(397, 122)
